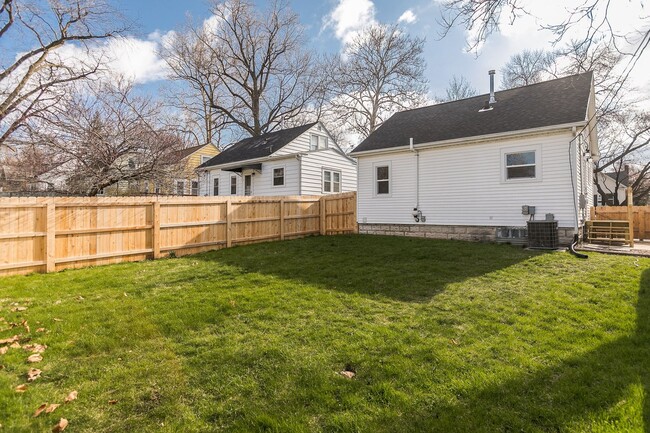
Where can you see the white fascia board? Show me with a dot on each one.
(472, 140)
(251, 161)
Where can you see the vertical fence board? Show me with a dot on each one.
(48, 234)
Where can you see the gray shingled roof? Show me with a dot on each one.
(549, 103)
(257, 147)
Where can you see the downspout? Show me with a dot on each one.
(417, 213)
(299, 158)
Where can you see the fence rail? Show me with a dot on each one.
(39, 234)
(640, 217)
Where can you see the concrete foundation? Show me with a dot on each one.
(461, 233)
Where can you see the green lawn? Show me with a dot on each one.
(443, 336)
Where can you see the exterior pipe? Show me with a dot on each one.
(416, 210)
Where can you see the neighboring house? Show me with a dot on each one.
(473, 165)
(296, 161)
(183, 181)
(614, 183)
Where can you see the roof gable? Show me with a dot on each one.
(555, 102)
(257, 147)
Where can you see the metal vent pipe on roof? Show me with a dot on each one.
(493, 100)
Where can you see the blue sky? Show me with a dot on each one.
(445, 57)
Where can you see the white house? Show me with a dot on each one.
(465, 169)
(611, 184)
(304, 160)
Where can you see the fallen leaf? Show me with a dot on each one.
(25, 325)
(57, 302)
(15, 345)
(454, 342)
(21, 388)
(71, 396)
(35, 358)
(60, 426)
(10, 340)
(125, 295)
(33, 374)
(3, 350)
(40, 330)
(35, 348)
(18, 309)
(58, 320)
(112, 401)
(81, 298)
(40, 409)
(51, 408)
(347, 374)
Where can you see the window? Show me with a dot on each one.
(520, 165)
(331, 181)
(278, 176)
(195, 187)
(233, 185)
(180, 187)
(382, 178)
(318, 142)
(131, 163)
(215, 186)
(248, 184)
(205, 158)
(146, 187)
(157, 188)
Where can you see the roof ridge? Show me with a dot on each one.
(498, 91)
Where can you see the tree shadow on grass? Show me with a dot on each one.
(608, 386)
(406, 269)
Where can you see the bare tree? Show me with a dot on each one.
(380, 72)
(34, 71)
(529, 67)
(106, 135)
(459, 87)
(250, 66)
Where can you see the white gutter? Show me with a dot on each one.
(250, 161)
(471, 140)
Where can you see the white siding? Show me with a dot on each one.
(315, 162)
(262, 182)
(301, 144)
(464, 184)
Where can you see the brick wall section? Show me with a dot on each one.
(461, 233)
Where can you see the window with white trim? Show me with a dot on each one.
(318, 142)
(233, 185)
(278, 176)
(215, 186)
(382, 179)
(195, 187)
(180, 187)
(331, 181)
(205, 158)
(521, 165)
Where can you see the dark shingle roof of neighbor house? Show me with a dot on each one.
(183, 153)
(257, 147)
(621, 177)
(554, 102)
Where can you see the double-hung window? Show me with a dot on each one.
(278, 176)
(180, 187)
(382, 179)
(233, 185)
(331, 181)
(195, 187)
(215, 186)
(521, 165)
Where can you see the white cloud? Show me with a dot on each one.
(349, 17)
(407, 17)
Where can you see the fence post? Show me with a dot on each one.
(323, 217)
(630, 214)
(155, 233)
(228, 223)
(281, 219)
(50, 242)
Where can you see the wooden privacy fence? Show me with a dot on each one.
(640, 217)
(51, 234)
